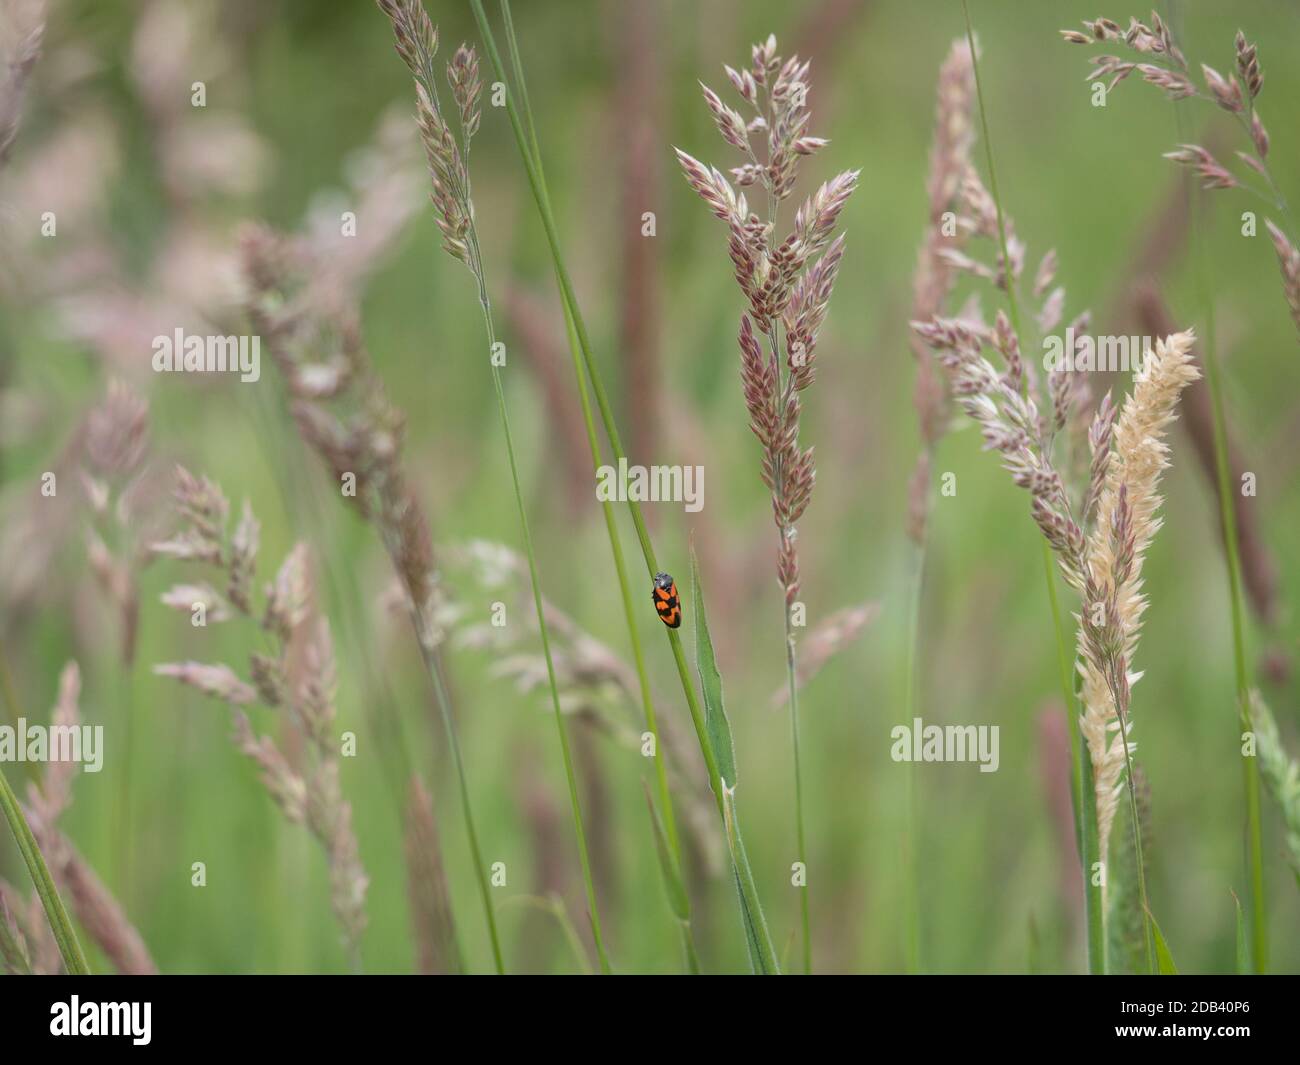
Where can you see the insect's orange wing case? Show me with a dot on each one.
(666, 600)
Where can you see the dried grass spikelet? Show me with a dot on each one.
(94, 906)
(1126, 522)
(15, 954)
(1100, 551)
(24, 942)
(299, 678)
(123, 493)
(437, 950)
(1281, 775)
(788, 282)
(1288, 259)
(954, 136)
(340, 406)
(416, 40)
(1234, 93)
(831, 636)
(27, 34)
(596, 686)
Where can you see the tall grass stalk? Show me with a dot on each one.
(1084, 807)
(449, 170)
(669, 819)
(561, 730)
(532, 166)
(443, 699)
(911, 814)
(1235, 94)
(787, 285)
(793, 684)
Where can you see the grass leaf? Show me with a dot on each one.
(677, 897)
(762, 955)
(1164, 960)
(715, 714)
(1243, 940)
(64, 934)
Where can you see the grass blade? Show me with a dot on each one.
(1164, 960)
(762, 955)
(669, 820)
(1089, 854)
(536, 180)
(449, 172)
(60, 924)
(678, 898)
(762, 952)
(715, 713)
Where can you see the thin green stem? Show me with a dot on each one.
(530, 553)
(793, 682)
(122, 822)
(638, 654)
(786, 534)
(1096, 922)
(536, 181)
(553, 906)
(1279, 198)
(611, 527)
(1137, 839)
(69, 948)
(1228, 517)
(1082, 789)
(60, 924)
(751, 908)
(473, 259)
(911, 818)
(1089, 852)
(443, 700)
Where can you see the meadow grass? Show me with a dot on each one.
(754, 923)
(449, 169)
(987, 880)
(1159, 61)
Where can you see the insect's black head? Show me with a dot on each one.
(664, 581)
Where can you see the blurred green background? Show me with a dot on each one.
(149, 192)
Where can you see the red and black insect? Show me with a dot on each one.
(664, 594)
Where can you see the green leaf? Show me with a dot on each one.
(1164, 960)
(717, 733)
(677, 897)
(715, 715)
(1090, 855)
(762, 955)
(64, 934)
(1243, 941)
